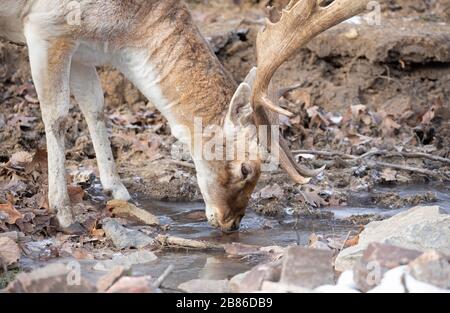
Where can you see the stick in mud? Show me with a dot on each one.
(440, 175)
(176, 242)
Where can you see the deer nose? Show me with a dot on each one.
(232, 225)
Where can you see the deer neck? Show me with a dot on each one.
(179, 73)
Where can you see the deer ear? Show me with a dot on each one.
(240, 111)
(251, 77)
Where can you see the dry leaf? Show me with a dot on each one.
(358, 110)
(389, 175)
(76, 194)
(352, 242)
(31, 99)
(299, 96)
(20, 158)
(389, 126)
(98, 233)
(123, 209)
(9, 251)
(39, 161)
(82, 254)
(317, 119)
(11, 213)
(428, 116)
(313, 199)
(272, 191)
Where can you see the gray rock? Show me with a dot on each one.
(13, 235)
(205, 286)
(124, 238)
(106, 281)
(53, 278)
(432, 268)
(398, 280)
(307, 268)
(126, 261)
(377, 260)
(421, 228)
(253, 280)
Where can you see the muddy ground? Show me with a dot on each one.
(374, 106)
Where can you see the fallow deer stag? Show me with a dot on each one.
(156, 45)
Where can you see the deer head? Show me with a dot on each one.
(228, 177)
(227, 186)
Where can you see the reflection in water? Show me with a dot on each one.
(219, 267)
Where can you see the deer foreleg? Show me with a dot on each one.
(86, 88)
(50, 66)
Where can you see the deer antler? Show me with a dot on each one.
(300, 21)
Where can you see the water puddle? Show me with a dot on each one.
(187, 221)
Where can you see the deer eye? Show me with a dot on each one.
(246, 170)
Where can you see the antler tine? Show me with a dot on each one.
(301, 21)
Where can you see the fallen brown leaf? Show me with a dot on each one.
(123, 209)
(9, 251)
(39, 161)
(389, 126)
(389, 175)
(76, 194)
(20, 158)
(12, 214)
(313, 199)
(98, 233)
(352, 242)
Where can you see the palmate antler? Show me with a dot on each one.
(301, 21)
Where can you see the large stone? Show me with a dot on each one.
(106, 281)
(432, 268)
(377, 260)
(421, 228)
(124, 238)
(205, 286)
(307, 268)
(53, 278)
(253, 280)
(398, 280)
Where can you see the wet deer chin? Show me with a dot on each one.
(225, 227)
(211, 216)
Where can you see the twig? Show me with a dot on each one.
(425, 156)
(176, 242)
(163, 276)
(324, 153)
(297, 233)
(345, 241)
(375, 153)
(376, 164)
